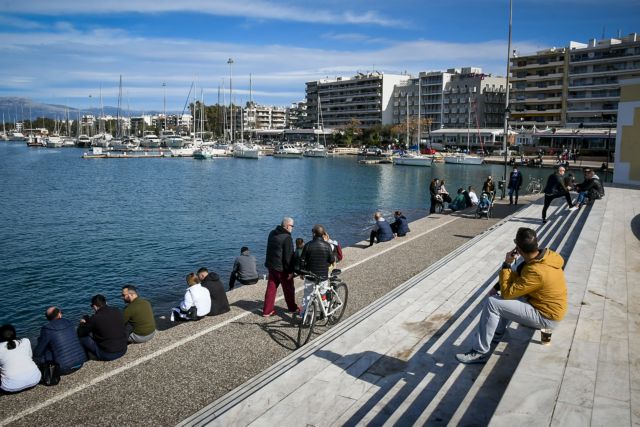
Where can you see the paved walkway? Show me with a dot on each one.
(186, 367)
(393, 362)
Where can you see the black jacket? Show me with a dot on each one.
(280, 251)
(317, 256)
(400, 226)
(593, 187)
(518, 180)
(555, 185)
(58, 342)
(107, 328)
(219, 302)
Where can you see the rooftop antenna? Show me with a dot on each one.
(250, 97)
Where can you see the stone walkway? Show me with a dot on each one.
(393, 362)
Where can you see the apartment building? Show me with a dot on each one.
(261, 117)
(431, 85)
(573, 86)
(297, 116)
(452, 99)
(364, 97)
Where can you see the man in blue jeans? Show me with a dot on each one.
(515, 182)
(103, 335)
(535, 295)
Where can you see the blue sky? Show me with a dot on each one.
(62, 51)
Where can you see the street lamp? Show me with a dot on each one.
(164, 98)
(506, 109)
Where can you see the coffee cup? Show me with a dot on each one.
(545, 336)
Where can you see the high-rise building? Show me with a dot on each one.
(364, 97)
(573, 86)
(297, 115)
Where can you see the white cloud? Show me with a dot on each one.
(71, 63)
(15, 22)
(255, 9)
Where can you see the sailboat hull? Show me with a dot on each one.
(423, 161)
(463, 160)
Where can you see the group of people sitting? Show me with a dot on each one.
(105, 334)
(465, 198)
(384, 231)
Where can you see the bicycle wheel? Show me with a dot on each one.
(338, 302)
(305, 329)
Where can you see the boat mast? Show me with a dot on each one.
(408, 145)
(468, 125)
(230, 62)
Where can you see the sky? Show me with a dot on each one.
(71, 52)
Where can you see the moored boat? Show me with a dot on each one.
(287, 151)
(412, 159)
(246, 151)
(463, 159)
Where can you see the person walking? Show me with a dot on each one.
(556, 187)
(515, 182)
(279, 263)
(535, 295)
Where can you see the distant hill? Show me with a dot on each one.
(26, 108)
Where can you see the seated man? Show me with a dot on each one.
(211, 282)
(58, 342)
(535, 295)
(244, 269)
(400, 226)
(590, 188)
(381, 230)
(103, 335)
(196, 302)
(460, 202)
(138, 316)
(473, 196)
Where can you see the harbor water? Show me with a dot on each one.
(76, 227)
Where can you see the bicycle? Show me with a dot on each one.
(534, 186)
(329, 306)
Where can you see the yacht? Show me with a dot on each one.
(83, 141)
(316, 150)
(54, 141)
(463, 159)
(171, 140)
(287, 151)
(125, 144)
(16, 136)
(101, 140)
(246, 151)
(150, 140)
(413, 159)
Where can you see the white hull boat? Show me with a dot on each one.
(54, 142)
(463, 159)
(413, 160)
(316, 151)
(245, 151)
(287, 151)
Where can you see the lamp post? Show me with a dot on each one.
(506, 108)
(610, 125)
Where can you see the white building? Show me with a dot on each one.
(364, 97)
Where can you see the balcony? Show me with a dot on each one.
(534, 88)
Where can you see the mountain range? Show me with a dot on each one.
(25, 108)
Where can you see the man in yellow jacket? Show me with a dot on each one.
(535, 295)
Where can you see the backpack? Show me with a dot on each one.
(338, 253)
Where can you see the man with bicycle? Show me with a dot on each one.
(316, 258)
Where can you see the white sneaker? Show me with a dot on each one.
(573, 208)
(471, 357)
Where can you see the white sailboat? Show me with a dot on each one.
(465, 158)
(287, 151)
(318, 149)
(413, 158)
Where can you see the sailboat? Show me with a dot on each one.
(413, 158)
(465, 158)
(121, 142)
(318, 150)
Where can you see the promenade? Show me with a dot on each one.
(413, 304)
(186, 367)
(393, 362)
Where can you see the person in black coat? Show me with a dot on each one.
(211, 281)
(556, 187)
(104, 334)
(58, 342)
(515, 182)
(400, 226)
(433, 192)
(279, 262)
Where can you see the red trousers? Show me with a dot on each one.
(277, 278)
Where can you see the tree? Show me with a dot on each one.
(350, 132)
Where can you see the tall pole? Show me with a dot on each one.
(506, 108)
(164, 99)
(408, 144)
(230, 62)
(419, 111)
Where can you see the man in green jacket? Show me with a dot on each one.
(138, 316)
(535, 295)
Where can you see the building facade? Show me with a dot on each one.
(255, 117)
(573, 86)
(364, 97)
(297, 116)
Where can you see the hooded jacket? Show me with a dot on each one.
(219, 301)
(58, 339)
(542, 281)
(280, 251)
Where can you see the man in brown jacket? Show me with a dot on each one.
(535, 295)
